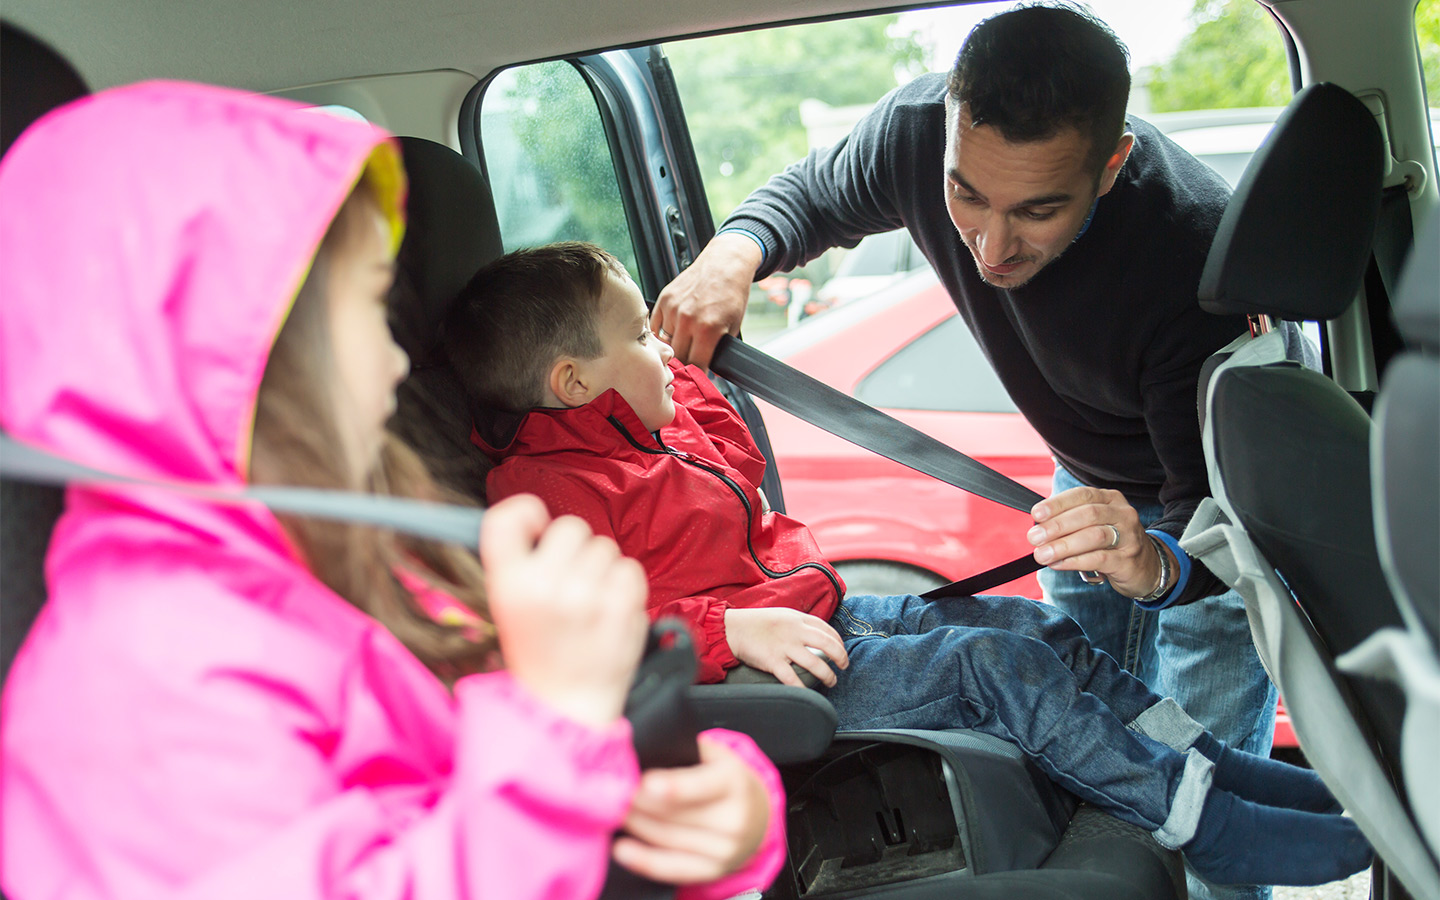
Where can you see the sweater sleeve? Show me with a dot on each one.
(832, 198)
(1169, 399)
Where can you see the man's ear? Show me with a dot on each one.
(568, 384)
(1113, 164)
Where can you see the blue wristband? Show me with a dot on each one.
(1183, 559)
(735, 229)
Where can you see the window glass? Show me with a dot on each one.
(1427, 34)
(549, 163)
(1211, 73)
(942, 369)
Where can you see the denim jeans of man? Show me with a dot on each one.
(1023, 671)
(1200, 654)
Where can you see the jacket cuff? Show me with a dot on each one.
(713, 649)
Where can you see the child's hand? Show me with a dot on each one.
(697, 823)
(568, 609)
(772, 638)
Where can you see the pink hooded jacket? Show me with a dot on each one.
(193, 714)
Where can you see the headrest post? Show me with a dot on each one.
(1260, 323)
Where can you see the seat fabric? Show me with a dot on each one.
(1295, 239)
(34, 79)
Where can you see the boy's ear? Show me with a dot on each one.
(568, 383)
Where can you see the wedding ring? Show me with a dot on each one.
(664, 335)
(1114, 537)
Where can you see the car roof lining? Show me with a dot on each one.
(267, 45)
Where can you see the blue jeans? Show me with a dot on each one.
(1200, 654)
(1023, 671)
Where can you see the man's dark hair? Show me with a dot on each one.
(520, 314)
(1035, 71)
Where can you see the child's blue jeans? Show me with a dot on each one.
(1024, 671)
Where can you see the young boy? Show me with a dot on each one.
(577, 402)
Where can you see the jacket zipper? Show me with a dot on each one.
(739, 492)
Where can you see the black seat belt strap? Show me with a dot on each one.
(844, 416)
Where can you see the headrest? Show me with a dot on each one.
(1294, 241)
(452, 231)
(1417, 301)
(33, 80)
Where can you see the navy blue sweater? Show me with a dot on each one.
(1101, 349)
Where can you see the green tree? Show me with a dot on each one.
(1427, 30)
(742, 92)
(550, 166)
(1234, 57)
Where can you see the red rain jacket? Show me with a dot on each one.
(686, 506)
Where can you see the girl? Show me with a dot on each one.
(219, 703)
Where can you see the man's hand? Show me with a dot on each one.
(771, 639)
(568, 608)
(707, 300)
(697, 823)
(1096, 530)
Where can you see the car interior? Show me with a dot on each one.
(1324, 514)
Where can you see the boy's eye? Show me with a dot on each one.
(645, 335)
(1039, 215)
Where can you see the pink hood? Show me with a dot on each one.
(145, 285)
(193, 714)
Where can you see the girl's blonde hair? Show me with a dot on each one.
(297, 442)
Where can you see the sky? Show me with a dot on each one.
(1152, 29)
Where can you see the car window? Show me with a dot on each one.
(942, 369)
(548, 161)
(756, 101)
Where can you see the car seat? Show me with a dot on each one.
(1405, 483)
(33, 80)
(1290, 524)
(869, 811)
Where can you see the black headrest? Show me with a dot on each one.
(33, 80)
(1294, 241)
(1417, 301)
(451, 232)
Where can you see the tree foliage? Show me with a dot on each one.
(1234, 57)
(1427, 31)
(742, 92)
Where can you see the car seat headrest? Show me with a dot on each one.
(451, 232)
(1294, 241)
(1417, 301)
(33, 80)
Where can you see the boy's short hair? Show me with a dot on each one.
(520, 314)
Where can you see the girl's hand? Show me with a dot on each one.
(772, 638)
(697, 823)
(568, 609)
(1096, 530)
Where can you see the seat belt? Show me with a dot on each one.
(843, 416)
(418, 518)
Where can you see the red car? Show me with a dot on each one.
(889, 529)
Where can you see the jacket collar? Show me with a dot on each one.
(591, 428)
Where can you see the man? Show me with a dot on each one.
(1071, 241)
